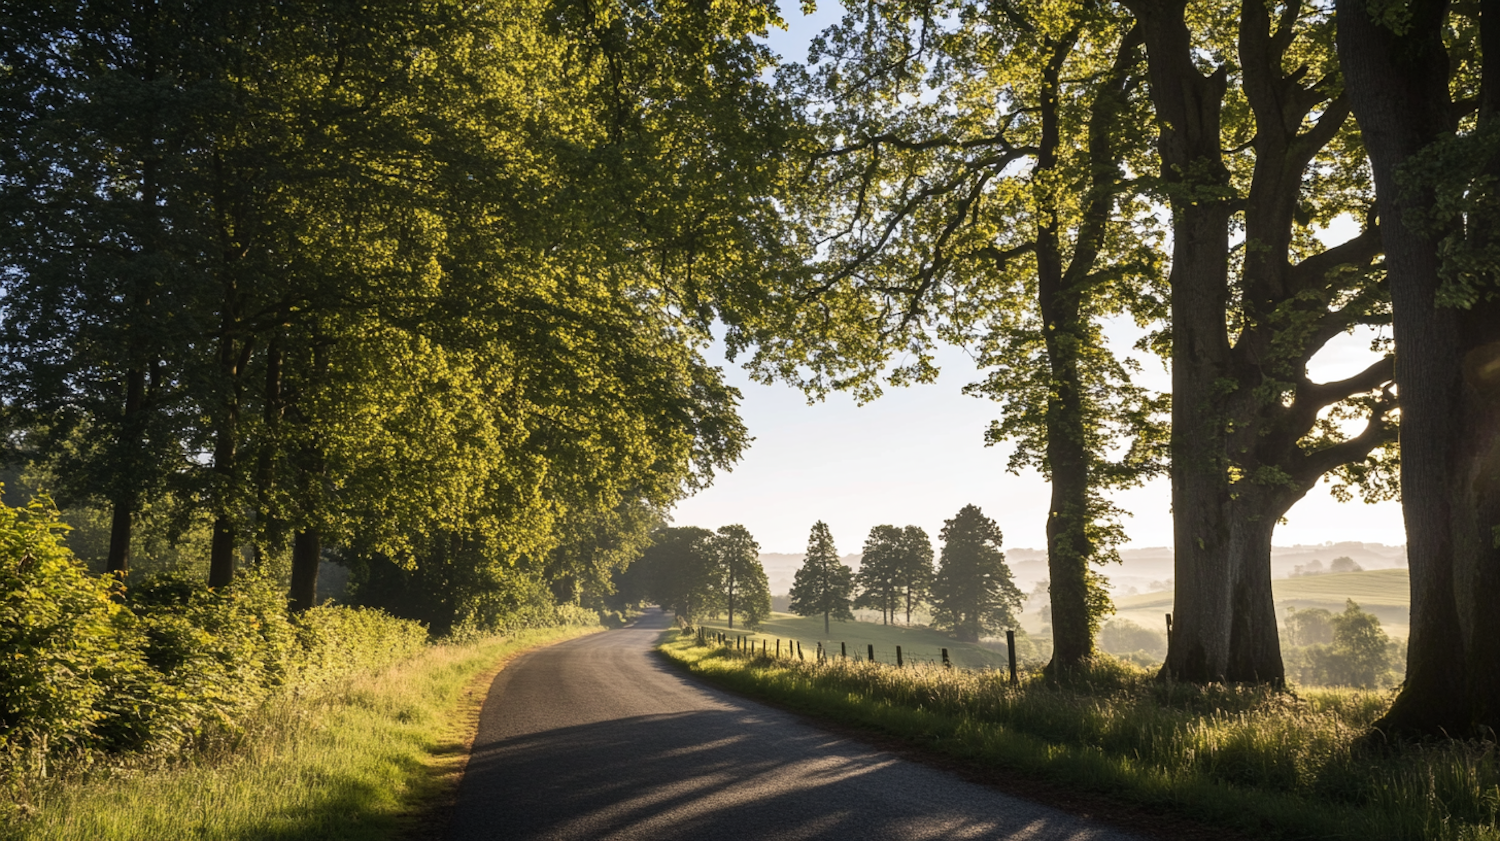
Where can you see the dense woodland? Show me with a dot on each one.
(425, 291)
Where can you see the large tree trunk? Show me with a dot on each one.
(1254, 643)
(1069, 549)
(1476, 508)
(1478, 533)
(1201, 513)
(1188, 108)
(1399, 88)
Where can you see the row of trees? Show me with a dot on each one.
(971, 592)
(984, 178)
(697, 573)
(430, 283)
(991, 173)
(424, 285)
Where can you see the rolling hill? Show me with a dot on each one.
(1383, 592)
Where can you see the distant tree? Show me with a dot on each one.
(823, 584)
(1121, 636)
(1359, 648)
(684, 576)
(877, 576)
(1313, 567)
(1343, 649)
(1309, 627)
(742, 578)
(973, 593)
(1345, 564)
(914, 568)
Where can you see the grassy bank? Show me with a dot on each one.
(1266, 764)
(355, 761)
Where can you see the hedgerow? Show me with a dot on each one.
(89, 669)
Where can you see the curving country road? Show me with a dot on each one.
(598, 738)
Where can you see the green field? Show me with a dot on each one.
(918, 645)
(1383, 592)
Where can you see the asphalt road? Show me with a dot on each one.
(598, 738)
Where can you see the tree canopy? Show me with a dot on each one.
(427, 286)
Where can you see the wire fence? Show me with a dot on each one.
(793, 650)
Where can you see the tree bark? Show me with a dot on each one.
(1069, 549)
(1254, 642)
(307, 551)
(222, 550)
(1242, 409)
(126, 494)
(1399, 88)
(1188, 106)
(265, 471)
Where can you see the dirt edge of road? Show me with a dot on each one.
(1129, 817)
(429, 819)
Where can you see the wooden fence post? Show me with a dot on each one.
(947, 664)
(778, 648)
(872, 652)
(1010, 652)
(899, 664)
(799, 650)
(843, 652)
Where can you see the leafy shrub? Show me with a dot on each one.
(59, 635)
(209, 655)
(176, 660)
(339, 641)
(89, 668)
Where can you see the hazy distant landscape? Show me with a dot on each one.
(1141, 583)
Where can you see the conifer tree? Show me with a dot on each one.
(878, 570)
(973, 593)
(823, 584)
(914, 571)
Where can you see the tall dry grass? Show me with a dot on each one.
(1272, 764)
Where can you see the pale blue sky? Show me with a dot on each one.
(917, 455)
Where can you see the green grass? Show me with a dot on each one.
(918, 645)
(352, 764)
(1383, 592)
(1263, 763)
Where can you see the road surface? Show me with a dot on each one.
(599, 738)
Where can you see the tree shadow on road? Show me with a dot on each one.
(734, 773)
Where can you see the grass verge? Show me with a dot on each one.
(360, 762)
(1262, 763)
